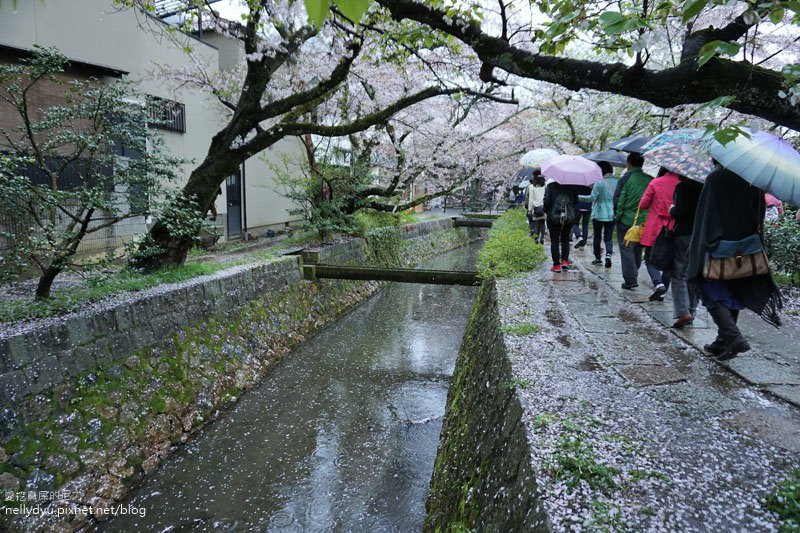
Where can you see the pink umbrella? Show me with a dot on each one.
(572, 170)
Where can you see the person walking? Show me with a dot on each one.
(583, 210)
(684, 205)
(657, 199)
(602, 199)
(630, 189)
(730, 209)
(559, 205)
(536, 213)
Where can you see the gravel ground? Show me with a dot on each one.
(631, 428)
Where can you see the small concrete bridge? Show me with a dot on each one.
(314, 271)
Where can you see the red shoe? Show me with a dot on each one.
(555, 268)
(565, 265)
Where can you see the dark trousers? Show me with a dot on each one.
(581, 225)
(630, 257)
(559, 241)
(725, 319)
(537, 229)
(684, 296)
(603, 233)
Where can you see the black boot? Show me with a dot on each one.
(716, 347)
(733, 349)
(729, 338)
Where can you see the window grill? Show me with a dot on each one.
(166, 114)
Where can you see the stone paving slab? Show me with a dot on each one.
(692, 447)
(643, 375)
(772, 363)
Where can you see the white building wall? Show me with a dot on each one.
(96, 32)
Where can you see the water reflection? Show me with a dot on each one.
(329, 441)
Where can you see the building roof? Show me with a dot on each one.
(14, 53)
(168, 8)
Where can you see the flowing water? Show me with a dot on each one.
(342, 434)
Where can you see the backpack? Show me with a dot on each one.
(562, 212)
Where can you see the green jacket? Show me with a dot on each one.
(632, 191)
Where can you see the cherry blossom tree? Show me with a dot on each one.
(293, 70)
(730, 65)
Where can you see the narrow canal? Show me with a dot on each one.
(341, 436)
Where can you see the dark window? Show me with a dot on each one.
(166, 114)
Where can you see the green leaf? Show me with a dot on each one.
(719, 101)
(353, 9)
(610, 17)
(317, 11)
(710, 50)
(692, 8)
(776, 16)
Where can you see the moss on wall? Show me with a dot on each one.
(95, 437)
(482, 479)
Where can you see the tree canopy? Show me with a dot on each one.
(739, 54)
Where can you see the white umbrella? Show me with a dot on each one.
(536, 157)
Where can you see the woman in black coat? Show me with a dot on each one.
(730, 209)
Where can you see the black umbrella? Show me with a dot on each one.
(524, 174)
(632, 144)
(612, 157)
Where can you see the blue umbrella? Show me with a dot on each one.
(612, 157)
(631, 144)
(763, 160)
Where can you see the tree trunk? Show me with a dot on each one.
(46, 282)
(171, 250)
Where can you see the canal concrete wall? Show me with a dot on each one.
(94, 400)
(483, 479)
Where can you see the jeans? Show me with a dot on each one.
(559, 242)
(684, 297)
(537, 230)
(630, 257)
(580, 228)
(603, 232)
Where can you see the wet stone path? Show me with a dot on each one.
(631, 427)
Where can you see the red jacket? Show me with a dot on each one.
(658, 199)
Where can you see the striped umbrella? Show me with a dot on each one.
(763, 160)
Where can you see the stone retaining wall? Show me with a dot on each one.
(95, 400)
(482, 478)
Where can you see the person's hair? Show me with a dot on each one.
(538, 179)
(662, 171)
(605, 166)
(635, 160)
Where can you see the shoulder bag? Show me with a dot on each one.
(634, 233)
(736, 259)
(663, 251)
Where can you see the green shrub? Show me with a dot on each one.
(509, 249)
(782, 240)
(785, 501)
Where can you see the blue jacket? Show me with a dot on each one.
(602, 199)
